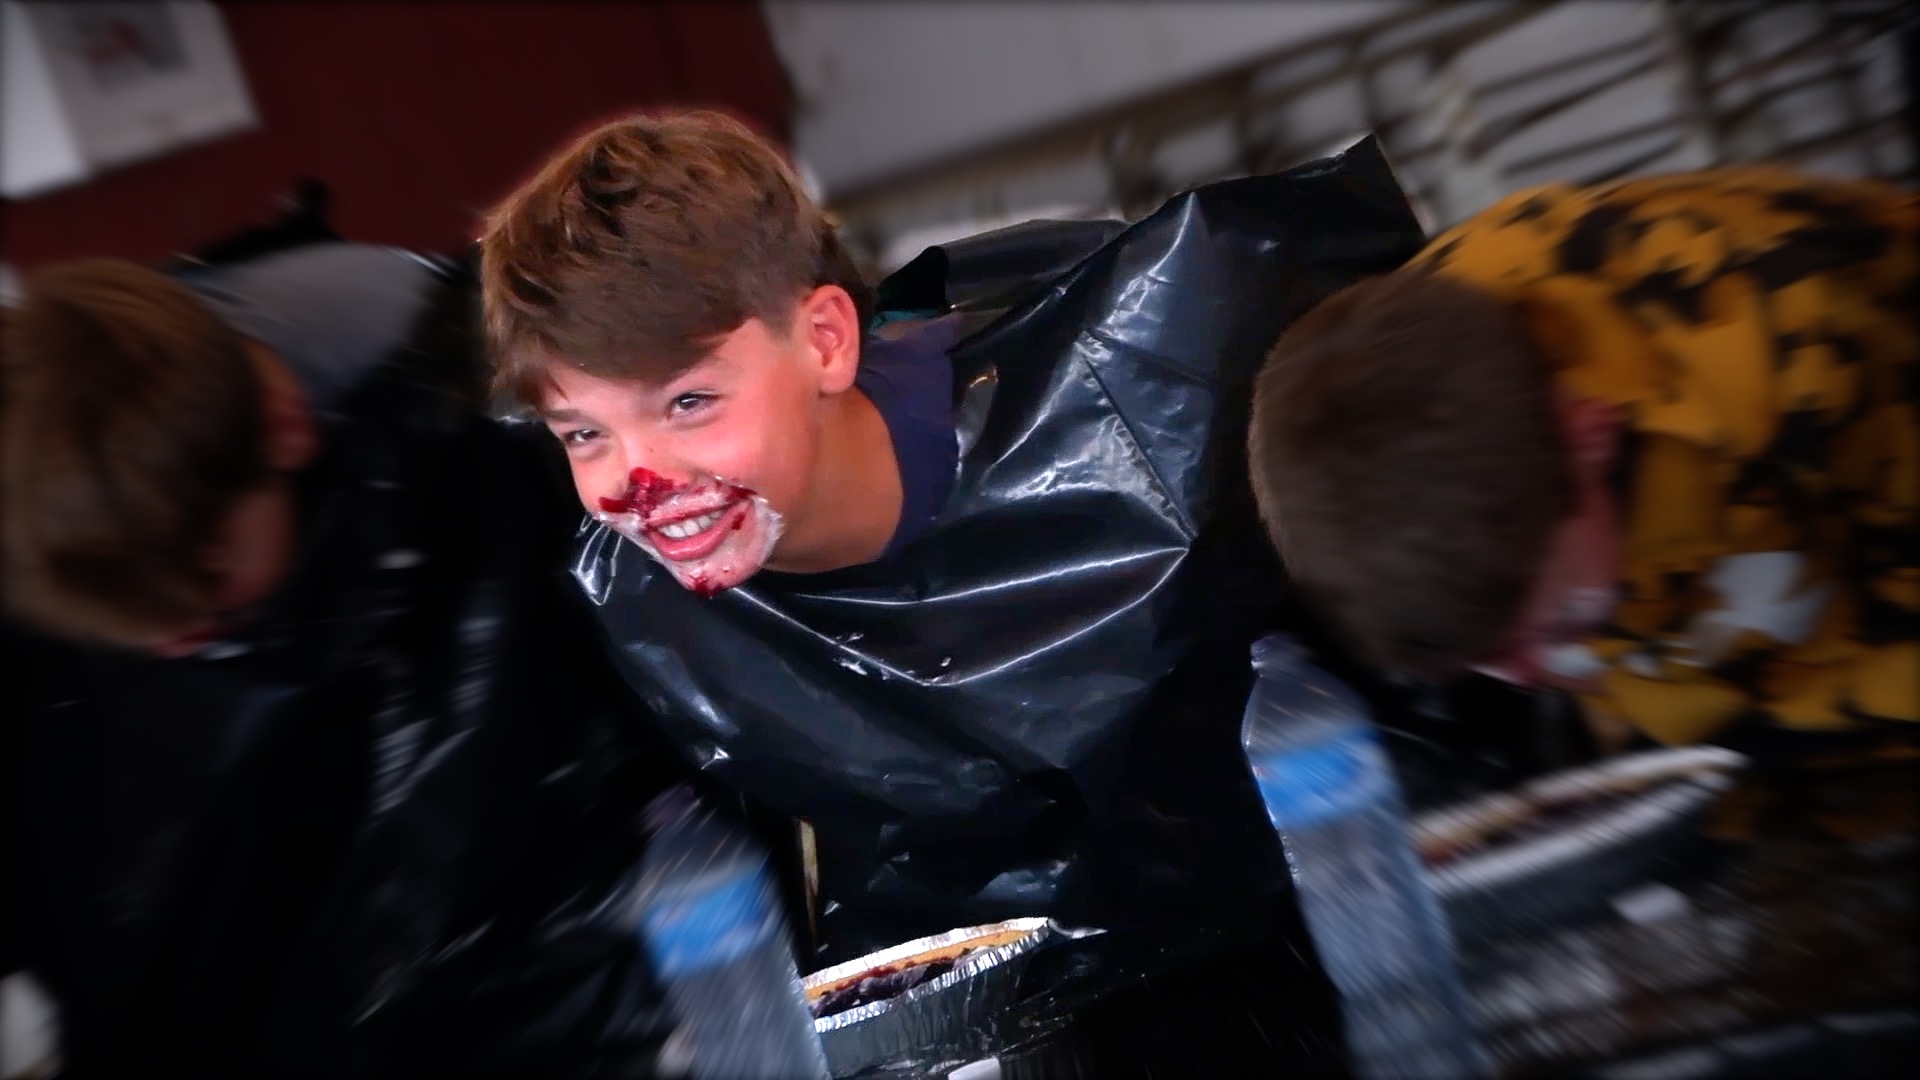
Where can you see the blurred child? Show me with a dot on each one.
(155, 427)
(1654, 441)
(299, 721)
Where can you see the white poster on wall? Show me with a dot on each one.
(124, 81)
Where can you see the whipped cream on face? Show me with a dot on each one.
(710, 533)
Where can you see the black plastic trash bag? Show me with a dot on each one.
(1034, 708)
(392, 836)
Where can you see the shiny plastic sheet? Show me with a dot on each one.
(1033, 709)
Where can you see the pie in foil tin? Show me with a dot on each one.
(925, 1006)
(1547, 851)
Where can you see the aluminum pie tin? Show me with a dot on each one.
(1656, 800)
(942, 1023)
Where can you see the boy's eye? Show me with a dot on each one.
(579, 436)
(686, 403)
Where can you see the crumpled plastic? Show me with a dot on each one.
(1033, 709)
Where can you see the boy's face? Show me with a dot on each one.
(1577, 588)
(252, 549)
(713, 468)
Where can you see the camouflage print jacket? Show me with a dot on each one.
(1757, 329)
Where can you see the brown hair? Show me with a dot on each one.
(130, 421)
(1409, 466)
(645, 241)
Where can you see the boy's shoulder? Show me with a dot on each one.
(330, 311)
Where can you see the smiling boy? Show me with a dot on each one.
(977, 608)
(705, 371)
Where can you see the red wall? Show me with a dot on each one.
(418, 115)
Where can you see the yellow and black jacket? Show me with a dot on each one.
(1757, 329)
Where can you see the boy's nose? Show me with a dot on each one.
(651, 461)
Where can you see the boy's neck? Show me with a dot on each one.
(857, 493)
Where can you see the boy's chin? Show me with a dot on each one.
(711, 576)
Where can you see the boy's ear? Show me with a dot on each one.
(830, 330)
(1592, 430)
(293, 438)
(290, 431)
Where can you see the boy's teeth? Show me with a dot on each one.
(680, 530)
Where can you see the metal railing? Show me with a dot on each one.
(1459, 144)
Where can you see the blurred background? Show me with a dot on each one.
(147, 130)
(929, 119)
